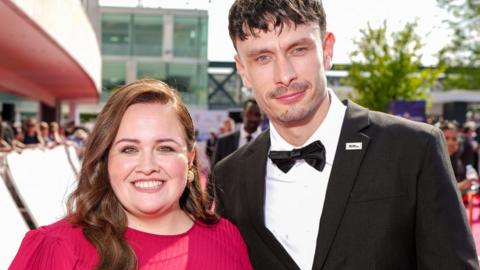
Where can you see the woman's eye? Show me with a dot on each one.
(128, 150)
(166, 149)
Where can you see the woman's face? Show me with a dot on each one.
(451, 137)
(148, 162)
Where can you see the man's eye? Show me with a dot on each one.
(262, 59)
(299, 50)
(128, 150)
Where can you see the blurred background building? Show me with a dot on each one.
(48, 54)
(61, 59)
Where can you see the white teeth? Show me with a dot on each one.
(147, 184)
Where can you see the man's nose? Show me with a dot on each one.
(285, 71)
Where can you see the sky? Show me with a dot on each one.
(345, 18)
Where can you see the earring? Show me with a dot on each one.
(190, 176)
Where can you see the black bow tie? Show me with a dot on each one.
(313, 154)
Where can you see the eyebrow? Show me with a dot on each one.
(256, 52)
(129, 140)
(301, 41)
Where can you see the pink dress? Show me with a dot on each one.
(63, 246)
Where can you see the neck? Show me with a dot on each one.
(173, 223)
(299, 132)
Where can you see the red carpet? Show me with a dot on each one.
(475, 220)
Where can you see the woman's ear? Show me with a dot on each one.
(191, 157)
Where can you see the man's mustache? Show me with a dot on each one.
(296, 86)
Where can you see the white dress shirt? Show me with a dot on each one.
(294, 201)
(244, 134)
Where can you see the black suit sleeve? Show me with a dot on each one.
(218, 193)
(443, 238)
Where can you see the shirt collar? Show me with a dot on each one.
(328, 132)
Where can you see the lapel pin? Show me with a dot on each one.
(353, 146)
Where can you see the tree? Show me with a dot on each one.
(462, 54)
(384, 70)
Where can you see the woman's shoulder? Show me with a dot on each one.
(61, 230)
(54, 245)
(223, 228)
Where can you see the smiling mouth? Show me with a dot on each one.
(291, 97)
(148, 184)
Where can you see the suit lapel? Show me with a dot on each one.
(254, 166)
(342, 178)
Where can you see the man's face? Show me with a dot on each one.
(252, 117)
(287, 71)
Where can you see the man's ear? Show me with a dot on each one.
(328, 43)
(242, 72)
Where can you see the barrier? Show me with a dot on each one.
(73, 159)
(42, 179)
(13, 226)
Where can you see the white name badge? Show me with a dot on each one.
(353, 146)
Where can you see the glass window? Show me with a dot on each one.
(203, 46)
(148, 35)
(116, 34)
(113, 75)
(152, 70)
(190, 80)
(190, 37)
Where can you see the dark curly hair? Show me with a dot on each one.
(246, 16)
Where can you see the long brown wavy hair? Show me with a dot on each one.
(93, 204)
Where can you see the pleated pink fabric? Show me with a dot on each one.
(63, 246)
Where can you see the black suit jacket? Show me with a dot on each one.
(226, 145)
(391, 205)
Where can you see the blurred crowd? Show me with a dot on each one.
(464, 151)
(31, 133)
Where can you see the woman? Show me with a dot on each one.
(138, 203)
(450, 131)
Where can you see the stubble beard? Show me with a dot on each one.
(296, 113)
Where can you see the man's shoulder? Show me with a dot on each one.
(229, 135)
(233, 160)
(399, 127)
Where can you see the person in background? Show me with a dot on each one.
(469, 144)
(211, 143)
(69, 128)
(55, 134)
(227, 126)
(4, 145)
(332, 185)
(8, 134)
(452, 136)
(45, 135)
(78, 140)
(32, 137)
(138, 203)
(250, 129)
(18, 137)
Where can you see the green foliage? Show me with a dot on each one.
(463, 52)
(384, 70)
(461, 77)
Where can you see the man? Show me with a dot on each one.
(230, 142)
(360, 190)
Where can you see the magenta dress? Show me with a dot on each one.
(63, 246)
